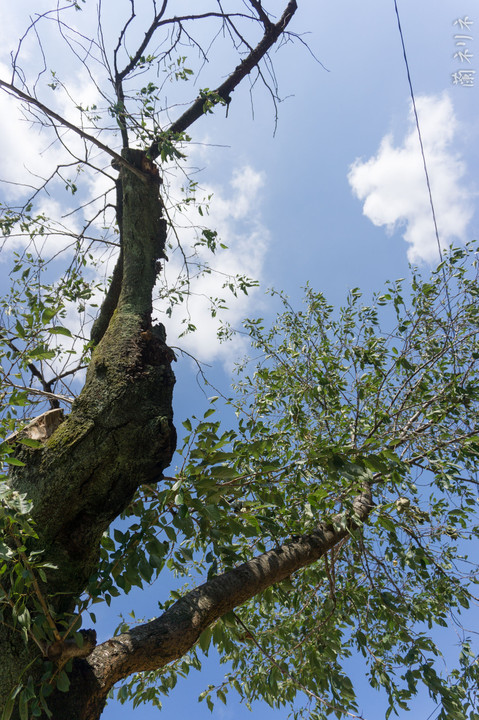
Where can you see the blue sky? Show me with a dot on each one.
(336, 197)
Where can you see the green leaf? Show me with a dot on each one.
(59, 330)
(23, 619)
(48, 314)
(170, 533)
(223, 472)
(107, 543)
(63, 682)
(20, 330)
(387, 523)
(23, 706)
(205, 639)
(14, 461)
(29, 442)
(8, 709)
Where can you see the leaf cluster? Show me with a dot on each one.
(335, 401)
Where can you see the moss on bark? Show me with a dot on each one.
(120, 431)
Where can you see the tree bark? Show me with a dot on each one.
(156, 643)
(120, 432)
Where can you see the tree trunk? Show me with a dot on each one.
(119, 434)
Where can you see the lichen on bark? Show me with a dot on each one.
(120, 431)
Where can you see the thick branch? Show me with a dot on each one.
(154, 644)
(195, 111)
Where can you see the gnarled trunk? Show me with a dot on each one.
(119, 433)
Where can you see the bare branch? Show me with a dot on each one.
(54, 398)
(11, 89)
(157, 23)
(224, 90)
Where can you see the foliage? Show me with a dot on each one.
(23, 594)
(335, 400)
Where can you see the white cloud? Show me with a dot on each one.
(234, 214)
(393, 187)
(31, 151)
(22, 147)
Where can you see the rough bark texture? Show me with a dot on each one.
(170, 636)
(119, 434)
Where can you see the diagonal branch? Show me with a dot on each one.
(223, 91)
(156, 643)
(13, 90)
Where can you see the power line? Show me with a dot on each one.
(418, 131)
(421, 145)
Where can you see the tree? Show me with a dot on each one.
(334, 427)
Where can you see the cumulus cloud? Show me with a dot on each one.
(393, 188)
(234, 213)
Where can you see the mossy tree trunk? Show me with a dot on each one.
(119, 434)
